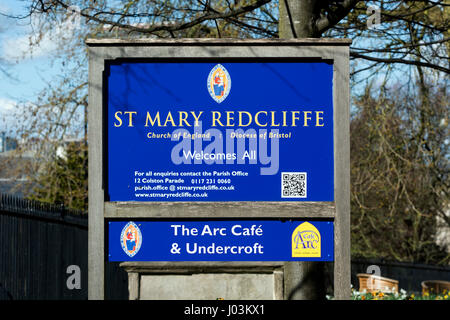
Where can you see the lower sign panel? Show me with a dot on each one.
(221, 240)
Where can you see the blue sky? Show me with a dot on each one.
(29, 72)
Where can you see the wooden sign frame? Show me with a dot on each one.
(335, 50)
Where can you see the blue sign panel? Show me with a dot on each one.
(220, 131)
(242, 240)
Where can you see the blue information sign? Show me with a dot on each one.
(242, 240)
(220, 131)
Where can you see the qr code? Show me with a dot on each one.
(293, 184)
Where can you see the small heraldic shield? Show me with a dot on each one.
(131, 239)
(219, 83)
(306, 241)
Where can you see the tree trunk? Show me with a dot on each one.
(303, 280)
(297, 19)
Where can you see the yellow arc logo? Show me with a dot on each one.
(306, 241)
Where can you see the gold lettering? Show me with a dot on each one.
(183, 117)
(257, 121)
(169, 118)
(249, 118)
(306, 118)
(196, 117)
(118, 119)
(294, 118)
(230, 117)
(214, 113)
(130, 117)
(319, 118)
(273, 124)
(152, 121)
(284, 119)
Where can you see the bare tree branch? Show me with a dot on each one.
(176, 26)
(333, 17)
(401, 61)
